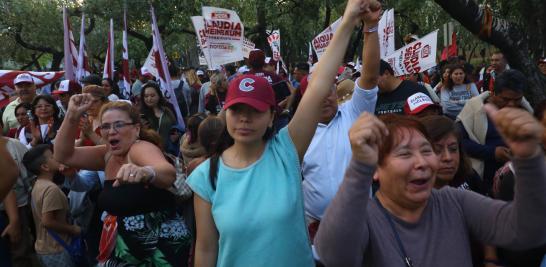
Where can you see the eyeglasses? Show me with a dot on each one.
(116, 126)
(43, 106)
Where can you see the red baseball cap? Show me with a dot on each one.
(251, 90)
(417, 103)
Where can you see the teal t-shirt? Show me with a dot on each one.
(258, 210)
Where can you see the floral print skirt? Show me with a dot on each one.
(152, 239)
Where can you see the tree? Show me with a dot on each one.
(517, 41)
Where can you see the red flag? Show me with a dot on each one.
(109, 60)
(125, 59)
(70, 52)
(162, 69)
(444, 54)
(453, 51)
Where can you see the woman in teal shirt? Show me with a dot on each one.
(248, 197)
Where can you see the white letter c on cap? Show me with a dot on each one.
(246, 85)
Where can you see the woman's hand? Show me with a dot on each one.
(78, 105)
(519, 129)
(365, 136)
(132, 174)
(35, 131)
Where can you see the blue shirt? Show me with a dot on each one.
(258, 210)
(329, 153)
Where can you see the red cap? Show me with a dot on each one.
(417, 103)
(251, 90)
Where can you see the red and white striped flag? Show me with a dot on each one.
(82, 69)
(163, 70)
(70, 52)
(109, 60)
(125, 60)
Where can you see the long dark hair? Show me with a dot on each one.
(193, 126)
(162, 103)
(439, 127)
(224, 142)
(452, 69)
(114, 86)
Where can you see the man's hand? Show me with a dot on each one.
(519, 129)
(372, 13)
(355, 10)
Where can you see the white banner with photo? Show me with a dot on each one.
(322, 40)
(224, 33)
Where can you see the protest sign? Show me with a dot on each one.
(224, 34)
(386, 33)
(321, 41)
(415, 57)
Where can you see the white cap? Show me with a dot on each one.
(243, 69)
(416, 103)
(23, 78)
(199, 72)
(267, 60)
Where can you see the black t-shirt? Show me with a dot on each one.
(393, 102)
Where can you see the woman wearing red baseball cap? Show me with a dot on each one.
(248, 196)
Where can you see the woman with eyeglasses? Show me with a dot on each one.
(408, 223)
(44, 122)
(157, 111)
(149, 231)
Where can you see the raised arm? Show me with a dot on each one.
(518, 224)
(302, 127)
(343, 235)
(370, 53)
(89, 158)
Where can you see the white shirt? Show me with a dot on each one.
(43, 128)
(329, 153)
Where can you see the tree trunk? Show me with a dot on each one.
(56, 62)
(328, 15)
(510, 39)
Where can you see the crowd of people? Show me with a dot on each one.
(335, 165)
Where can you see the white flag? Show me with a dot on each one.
(82, 69)
(125, 59)
(70, 52)
(386, 33)
(109, 60)
(415, 57)
(274, 40)
(163, 70)
(310, 56)
(321, 41)
(224, 31)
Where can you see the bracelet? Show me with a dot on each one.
(152, 178)
(371, 29)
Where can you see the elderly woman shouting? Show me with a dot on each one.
(409, 223)
(149, 232)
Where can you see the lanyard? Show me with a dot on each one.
(405, 257)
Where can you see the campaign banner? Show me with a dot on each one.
(203, 51)
(274, 40)
(415, 57)
(386, 33)
(247, 47)
(321, 41)
(224, 33)
(40, 79)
